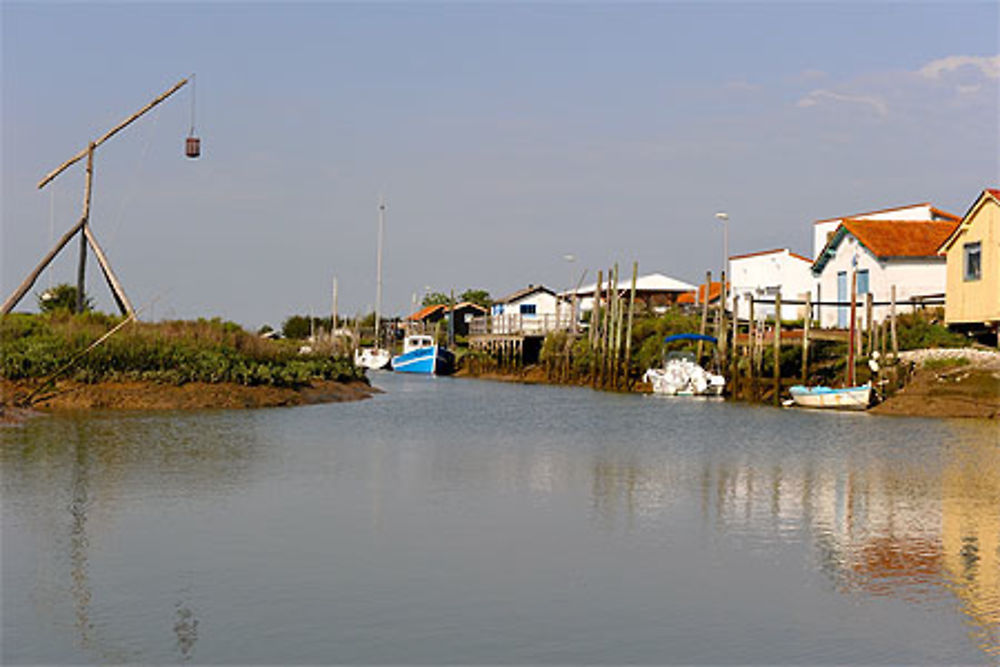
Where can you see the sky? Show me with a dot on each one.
(514, 143)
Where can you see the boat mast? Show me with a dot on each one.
(378, 268)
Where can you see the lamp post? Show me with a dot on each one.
(724, 217)
(571, 321)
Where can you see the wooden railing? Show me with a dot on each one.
(520, 325)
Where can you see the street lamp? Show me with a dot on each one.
(724, 217)
(570, 258)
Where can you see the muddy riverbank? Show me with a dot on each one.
(69, 395)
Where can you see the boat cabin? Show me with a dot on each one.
(411, 343)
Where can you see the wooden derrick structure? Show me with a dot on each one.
(82, 227)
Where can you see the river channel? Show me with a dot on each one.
(464, 521)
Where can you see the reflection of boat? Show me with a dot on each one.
(422, 355)
(681, 375)
(848, 398)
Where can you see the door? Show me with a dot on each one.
(841, 298)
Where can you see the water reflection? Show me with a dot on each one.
(878, 523)
(349, 531)
(68, 479)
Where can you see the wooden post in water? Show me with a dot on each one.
(616, 334)
(752, 349)
(892, 326)
(851, 345)
(733, 358)
(722, 333)
(628, 332)
(595, 322)
(869, 325)
(807, 324)
(704, 311)
(606, 331)
(777, 348)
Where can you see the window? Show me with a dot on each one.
(973, 261)
(863, 281)
(527, 309)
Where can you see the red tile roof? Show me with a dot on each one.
(901, 238)
(425, 312)
(713, 293)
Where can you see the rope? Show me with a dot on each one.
(194, 90)
(130, 189)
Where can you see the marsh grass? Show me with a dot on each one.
(175, 352)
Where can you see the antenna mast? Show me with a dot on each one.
(378, 267)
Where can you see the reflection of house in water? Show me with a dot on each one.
(917, 530)
(897, 528)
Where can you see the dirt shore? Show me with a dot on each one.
(153, 396)
(948, 383)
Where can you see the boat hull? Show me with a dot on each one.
(849, 398)
(434, 360)
(372, 358)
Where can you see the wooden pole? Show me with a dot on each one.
(752, 348)
(869, 325)
(723, 347)
(733, 363)
(122, 125)
(595, 321)
(777, 348)
(28, 282)
(850, 338)
(805, 339)
(892, 326)
(631, 314)
(704, 312)
(333, 314)
(124, 305)
(81, 271)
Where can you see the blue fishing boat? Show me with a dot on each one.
(422, 355)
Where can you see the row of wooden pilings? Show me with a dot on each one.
(739, 357)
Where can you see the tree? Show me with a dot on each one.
(477, 296)
(62, 297)
(296, 326)
(435, 298)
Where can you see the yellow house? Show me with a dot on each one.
(972, 296)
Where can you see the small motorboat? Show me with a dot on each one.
(681, 375)
(848, 398)
(422, 355)
(372, 358)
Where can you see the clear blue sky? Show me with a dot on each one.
(503, 136)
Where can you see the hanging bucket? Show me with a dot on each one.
(192, 147)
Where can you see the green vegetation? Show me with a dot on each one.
(62, 297)
(477, 296)
(35, 346)
(924, 329)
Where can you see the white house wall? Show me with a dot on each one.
(763, 275)
(913, 277)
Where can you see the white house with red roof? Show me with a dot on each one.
(761, 275)
(823, 229)
(883, 253)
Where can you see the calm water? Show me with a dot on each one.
(452, 521)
